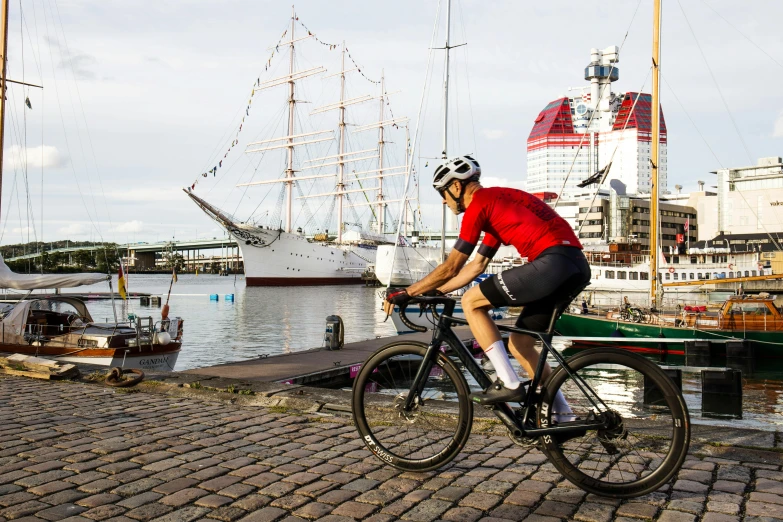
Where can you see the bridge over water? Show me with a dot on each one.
(146, 256)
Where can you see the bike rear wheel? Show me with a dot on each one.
(437, 427)
(650, 426)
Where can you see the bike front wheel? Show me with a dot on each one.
(430, 433)
(648, 432)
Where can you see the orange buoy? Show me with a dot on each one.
(164, 313)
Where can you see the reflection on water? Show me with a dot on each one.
(276, 320)
(762, 390)
(261, 320)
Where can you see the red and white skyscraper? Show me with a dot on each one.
(607, 125)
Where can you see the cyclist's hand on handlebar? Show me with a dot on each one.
(395, 296)
(433, 293)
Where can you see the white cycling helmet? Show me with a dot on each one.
(461, 168)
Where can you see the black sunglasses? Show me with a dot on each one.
(443, 191)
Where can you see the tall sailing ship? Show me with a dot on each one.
(355, 176)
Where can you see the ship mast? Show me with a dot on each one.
(4, 54)
(341, 164)
(405, 203)
(289, 171)
(339, 159)
(655, 153)
(381, 206)
(445, 125)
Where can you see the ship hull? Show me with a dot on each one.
(769, 344)
(411, 264)
(275, 258)
(301, 281)
(157, 358)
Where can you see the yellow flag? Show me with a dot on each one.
(121, 285)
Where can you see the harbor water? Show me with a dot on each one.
(263, 321)
(259, 321)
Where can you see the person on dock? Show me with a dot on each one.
(556, 268)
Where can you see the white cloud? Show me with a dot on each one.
(493, 134)
(778, 132)
(24, 231)
(130, 227)
(74, 229)
(46, 156)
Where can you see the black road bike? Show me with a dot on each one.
(627, 436)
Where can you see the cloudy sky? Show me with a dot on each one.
(139, 96)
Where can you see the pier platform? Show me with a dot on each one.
(316, 366)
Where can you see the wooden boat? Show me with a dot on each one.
(60, 327)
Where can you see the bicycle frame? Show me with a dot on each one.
(526, 427)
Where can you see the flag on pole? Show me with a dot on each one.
(687, 222)
(122, 287)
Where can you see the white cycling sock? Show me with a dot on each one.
(560, 404)
(496, 352)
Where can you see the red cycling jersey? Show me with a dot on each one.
(512, 217)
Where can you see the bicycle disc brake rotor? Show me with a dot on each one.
(409, 415)
(614, 434)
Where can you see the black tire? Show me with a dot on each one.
(652, 435)
(439, 425)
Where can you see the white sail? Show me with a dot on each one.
(14, 281)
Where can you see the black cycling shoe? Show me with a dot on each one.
(498, 393)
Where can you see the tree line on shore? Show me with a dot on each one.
(103, 257)
(94, 257)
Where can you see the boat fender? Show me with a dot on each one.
(617, 333)
(115, 377)
(162, 338)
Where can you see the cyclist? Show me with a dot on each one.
(556, 267)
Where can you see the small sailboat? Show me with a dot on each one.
(60, 327)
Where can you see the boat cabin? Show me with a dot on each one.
(750, 312)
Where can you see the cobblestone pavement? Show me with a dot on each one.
(79, 452)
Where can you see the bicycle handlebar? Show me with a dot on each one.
(423, 300)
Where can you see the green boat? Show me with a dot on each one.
(754, 319)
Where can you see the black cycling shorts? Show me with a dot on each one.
(539, 285)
